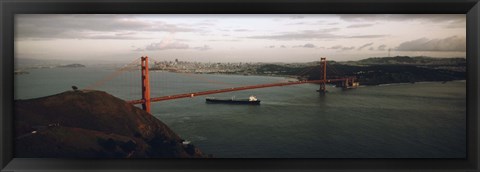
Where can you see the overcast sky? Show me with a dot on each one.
(238, 38)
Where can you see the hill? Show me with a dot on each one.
(378, 70)
(406, 60)
(92, 124)
(386, 74)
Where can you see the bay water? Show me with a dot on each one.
(421, 120)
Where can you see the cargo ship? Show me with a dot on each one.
(252, 100)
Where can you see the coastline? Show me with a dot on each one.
(296, 78)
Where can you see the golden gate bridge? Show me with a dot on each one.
(146, 99)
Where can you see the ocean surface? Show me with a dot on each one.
(421, 120)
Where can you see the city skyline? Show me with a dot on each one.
(238, 38)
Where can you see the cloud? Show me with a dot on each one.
(368, 36)
(299, 23)
(348, 48)
(226, 40)
(382, 47)
(435, 18)
(450, 21)
(371, 49)
(307, 45)
(342, 48)
(373, 17)
(365, 45)
(297, 17)
(336, 47)
(206, 23)
(359, 25)
(124, 33)
(241, 30)
(202, 48)
(312, 34)
(283, 46)
(296, 36)
(164, 46)
(107, 37)
(456, 24)
(89, 26)
(453, 43)
(306, 34)
(314, 23)
(173, 45)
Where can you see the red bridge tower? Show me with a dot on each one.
(145, 85)
(323, 70)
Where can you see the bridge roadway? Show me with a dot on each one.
(201, 93)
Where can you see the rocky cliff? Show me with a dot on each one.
(89, 124)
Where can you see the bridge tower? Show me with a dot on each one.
(323, 70)
(145, 84)
(346, 83)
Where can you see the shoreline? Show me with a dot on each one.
(296, 78)
(288, 77)
(420, 82)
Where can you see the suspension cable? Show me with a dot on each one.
(107, 78)
(334, 69)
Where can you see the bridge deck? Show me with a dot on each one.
(201, 93)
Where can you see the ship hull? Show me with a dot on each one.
(230, 101)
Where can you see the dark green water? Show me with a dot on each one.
(422, 120)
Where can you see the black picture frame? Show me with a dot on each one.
(9, 8)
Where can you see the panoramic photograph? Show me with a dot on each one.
(240, 86)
